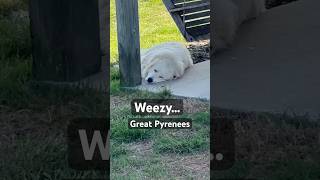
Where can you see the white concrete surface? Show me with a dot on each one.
(274, 64)
(194, 83)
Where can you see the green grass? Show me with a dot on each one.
(7, 6)
(164, 143)
(186, 141)
(15, 59)
(156, 26)
(294, 169)
(40, 158)
(133, 168)
(171, 144)
(121, 132)
(15, 37)
(13, 79)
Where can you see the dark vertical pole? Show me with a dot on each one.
(104, 13)
(65, 39)
(128, 42)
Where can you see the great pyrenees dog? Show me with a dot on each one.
(228, 15)
(165, 62)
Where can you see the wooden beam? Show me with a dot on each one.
(196, 15)
(128, 42)
(65, 39)
(189, 7)
(177, 19)
(104, 13)
(196, 22)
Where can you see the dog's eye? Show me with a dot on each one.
(160, 77)
(174, 77)
(155, 70)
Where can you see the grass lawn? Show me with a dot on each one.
(157, 154)
(156, 26)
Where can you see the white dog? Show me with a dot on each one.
(164, 62)
(229, 14)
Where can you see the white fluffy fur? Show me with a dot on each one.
(229, 14)
(165, 61)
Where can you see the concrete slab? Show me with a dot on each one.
(274, 64)
(194, 83)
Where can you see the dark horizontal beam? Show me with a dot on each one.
(189, 7)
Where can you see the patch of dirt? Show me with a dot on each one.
(36, 122)
(198, 164)
(262, 140)
(199, 50)
(117, 101)
(143, 148)
(265, 139)
(177, 165)
(191, 105)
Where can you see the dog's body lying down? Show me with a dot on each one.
(228, 15)
(165, 62)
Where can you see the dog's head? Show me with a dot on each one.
(160, 71)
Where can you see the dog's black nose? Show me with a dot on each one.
(150, 80)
